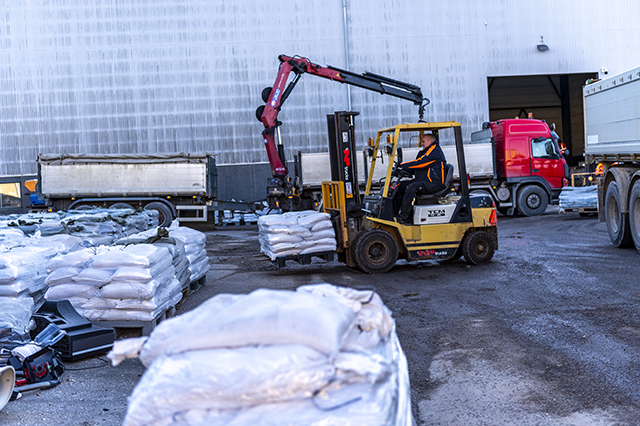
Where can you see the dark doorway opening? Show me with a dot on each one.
(553, 98)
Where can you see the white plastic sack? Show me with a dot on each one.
(264, 317)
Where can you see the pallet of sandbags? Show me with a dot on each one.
(133, 286)
(319, 355)
(297, 236)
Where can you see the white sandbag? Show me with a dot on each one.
(117, 315)
(76, 258)
(321, 225)
(157, 270)
(297, 230)
(67, 291)
(277, 219)
(309, 219)
(227, 380)
(93, 276)
(137, 255)
(62, 276)
(199, 269)
(321, 246)
(129, 290)
(19, 287)
(264, 317)
(274, 239)
(326, 233)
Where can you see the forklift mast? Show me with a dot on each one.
(275, 96)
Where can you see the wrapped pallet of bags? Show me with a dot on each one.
(319, 355)
(11, 237)
(579, 197)
(15, 319)
(296, 233)
(23, 272)
(115, 283)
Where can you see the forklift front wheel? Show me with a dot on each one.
(478, 247)
(376, 251)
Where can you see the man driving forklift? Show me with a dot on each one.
(429, 171)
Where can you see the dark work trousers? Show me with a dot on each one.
(408, 192)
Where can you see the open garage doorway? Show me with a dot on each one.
(553, 98)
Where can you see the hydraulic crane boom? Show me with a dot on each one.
(275, 96)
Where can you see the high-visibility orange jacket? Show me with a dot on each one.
(428, 165)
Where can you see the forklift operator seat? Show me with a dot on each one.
(426, 199)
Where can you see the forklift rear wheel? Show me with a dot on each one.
(478, 247)
(376, 251)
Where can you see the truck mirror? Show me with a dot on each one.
(388, 149)
(399, 155)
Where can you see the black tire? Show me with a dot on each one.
(376, 251)
(503, 210)
(165, 216)
(121, 206)
(634, 214)
(478, 247)
(532, 201)
(617, 222)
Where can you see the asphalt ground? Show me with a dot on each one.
(548, 333)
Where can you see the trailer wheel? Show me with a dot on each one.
(376, 251)
(617, 222)
(165, 216)
(532, 201)
(634, 214)
(478, 247)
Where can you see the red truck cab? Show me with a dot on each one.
(529, 170)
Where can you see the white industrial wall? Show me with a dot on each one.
(125, 76)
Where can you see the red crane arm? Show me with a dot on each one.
(275, 96)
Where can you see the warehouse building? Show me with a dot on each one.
(146, 76)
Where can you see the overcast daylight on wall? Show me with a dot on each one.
(138, 76)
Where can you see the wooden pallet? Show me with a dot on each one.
(143, 328)
(304, 259)
(585, 210)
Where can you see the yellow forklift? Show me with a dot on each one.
(446, 225)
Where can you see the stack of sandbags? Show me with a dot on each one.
(135, 282)
(575, 197)
(194, 246)
(11, 237)
(23, 272)
(320, 355)
(175, 246)
(296, 233)
(15, 319)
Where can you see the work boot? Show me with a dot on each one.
(403, 221)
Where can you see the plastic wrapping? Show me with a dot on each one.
(134, 282)
(579, 197)
(198, 376)
(296, 233)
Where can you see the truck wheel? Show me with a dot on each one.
(478, 247)
(617, 222)
(165, 216)
(634, 215)
(532, 201)
(376, 251)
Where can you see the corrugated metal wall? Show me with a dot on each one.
(186, 75)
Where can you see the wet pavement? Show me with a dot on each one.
(548, 333)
